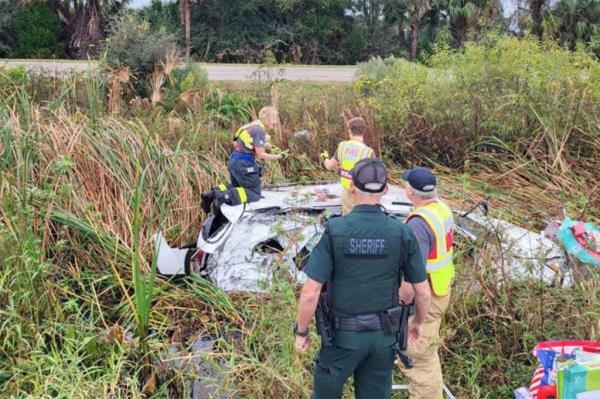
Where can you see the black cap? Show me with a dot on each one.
(369, 175)
(421, 180)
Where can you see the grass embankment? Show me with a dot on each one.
(82, 193)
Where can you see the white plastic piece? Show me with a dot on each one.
(232, 213)
(170, 261)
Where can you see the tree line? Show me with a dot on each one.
(296, 31)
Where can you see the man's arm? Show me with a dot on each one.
(261, 153)
(422, 299)
(309, 298)
(318, 269)
(426, 241)
(331, 164)
(415, 273)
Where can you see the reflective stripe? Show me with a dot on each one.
(438, 232)
(242, 193)
(222, 187)
(244, 135)
(438, 264)
(345, 174)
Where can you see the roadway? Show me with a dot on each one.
(223, 72)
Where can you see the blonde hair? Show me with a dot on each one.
(268, 113)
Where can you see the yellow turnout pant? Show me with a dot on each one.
(347, 202)
(425, 378)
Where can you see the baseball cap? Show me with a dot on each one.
(369, 175)
(421, 180)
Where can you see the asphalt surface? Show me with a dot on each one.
(225, 72)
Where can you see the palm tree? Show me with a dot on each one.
(573, 21)
(466, 15)
(85, 22)
(186, 23)
(536, 9)
(408, 12)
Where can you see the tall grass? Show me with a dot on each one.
(82, 312)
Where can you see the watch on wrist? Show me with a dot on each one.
(300, 333)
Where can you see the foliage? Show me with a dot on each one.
(132, 43)
(189, 81)
(76, 216)
(230, 107)
(7, 14)
(377, 68)
(575, 22)
(162, 16)
(493, 99)
(36, 32)
(11, 79)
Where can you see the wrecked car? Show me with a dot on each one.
(240, 247)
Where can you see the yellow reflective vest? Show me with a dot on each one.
(440, 267)
(348, 154)
(244, 137)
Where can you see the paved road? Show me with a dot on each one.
(230, 72)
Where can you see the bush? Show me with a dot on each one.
(192, 78)
(377, 68)
(11, 78)
(7, 14)
(230, 107)
(490, 99)
(36, 31)
(132, 43)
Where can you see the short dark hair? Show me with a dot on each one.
(357, 126)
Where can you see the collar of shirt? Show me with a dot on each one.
(366, 208)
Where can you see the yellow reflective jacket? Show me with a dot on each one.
(440, 267)
(348, 154)
(244, 138)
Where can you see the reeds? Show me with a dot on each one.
(82, 193)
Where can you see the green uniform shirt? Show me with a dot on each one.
(364, 252)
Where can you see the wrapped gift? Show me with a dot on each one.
(578, 380)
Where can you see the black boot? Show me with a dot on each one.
(207, 199)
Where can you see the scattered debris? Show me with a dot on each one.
(241, 247)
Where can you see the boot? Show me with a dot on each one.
(207, 199)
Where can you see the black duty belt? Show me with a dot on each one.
(366, 322)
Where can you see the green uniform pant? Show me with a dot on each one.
(368, 355)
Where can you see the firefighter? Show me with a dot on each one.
(347, 154)
(251, 142)
(432, 222)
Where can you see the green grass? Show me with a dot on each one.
(82, 312)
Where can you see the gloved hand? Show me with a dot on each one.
(284, 154)
(278, 151)
(324, 155)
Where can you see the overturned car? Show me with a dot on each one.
(240, 247)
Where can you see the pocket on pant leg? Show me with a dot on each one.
(333, 366)
(249, 176)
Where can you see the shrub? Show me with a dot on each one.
(36, 31)
(230, 106)
(7, 14)
(132, 43)
(191, 78)
(11, 78)
(515, 97)
(377, 68)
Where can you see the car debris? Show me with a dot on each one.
(240, 247)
